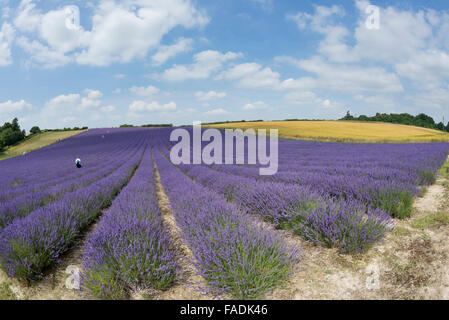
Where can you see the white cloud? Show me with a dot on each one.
(319, 21)
(402, 33)
(344, 78)
(107, 109)
(302, 97)
(208, 96)
(121, 32)
(63, 101)
(6, 38)
(304, 83)
(92, 99)
(317, 106)
(139, 106)
(144, 91)
(427, 67)
(206, 63)
(29, 18)
(76, 109)
(252, 75)
(120, 76)
(216, 112)
(165, 53)
(11, 106)
(54, 31)
(378, 103)
(259, 105)
(42, 55)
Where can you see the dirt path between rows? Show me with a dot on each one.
(188, 280)
(432, 201)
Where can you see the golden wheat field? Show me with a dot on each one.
(37, 142)
(345, 131)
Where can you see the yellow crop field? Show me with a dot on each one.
(344, 131)
(36, 142)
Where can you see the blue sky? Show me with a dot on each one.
(176, 61)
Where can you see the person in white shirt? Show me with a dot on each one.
(78, 163)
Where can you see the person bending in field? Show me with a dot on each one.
(78, 163)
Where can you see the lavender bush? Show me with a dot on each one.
(130, 249)
(31, 244)
(235, 256)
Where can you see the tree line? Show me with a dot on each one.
(10, 133)
(421, 120)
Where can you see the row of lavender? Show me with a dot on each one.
(345, 224)
(236, 257)
(30, 244)
(385, 176)
(24, 204)
(53, 164)
(130, 249)
(347, 204)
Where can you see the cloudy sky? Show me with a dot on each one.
(176, 61)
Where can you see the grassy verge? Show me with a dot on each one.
(444, 172)
(432, 221)
(36, 142)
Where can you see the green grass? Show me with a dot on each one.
(401, 232)
(432, 221)
(444, 172)
(6, 293)
(399, 204)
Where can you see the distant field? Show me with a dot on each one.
(345, 131)
(36, 142)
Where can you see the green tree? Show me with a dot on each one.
(9, 137)
(15, 124)
(348, 116)
(35, 130)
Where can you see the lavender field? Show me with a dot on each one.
(345, 197)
